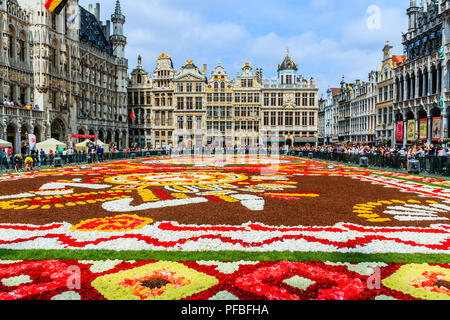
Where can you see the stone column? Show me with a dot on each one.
(444, 132)
(416, 86)
(425, 79)
(429, 127)
(439, 80)
(3, 132)
(405, 130)
(17, 148)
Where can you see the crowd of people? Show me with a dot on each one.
(9, 103)
(94, 153)
(411, 152)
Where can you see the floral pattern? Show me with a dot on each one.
(285, 280)
(128, 198)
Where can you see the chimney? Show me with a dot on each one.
(97, 11)
(107, 29)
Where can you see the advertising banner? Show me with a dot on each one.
(399, 134)
(32, 141)
(436, 133)
(423, 129)
(411, 129)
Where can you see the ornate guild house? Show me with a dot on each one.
(186, 109)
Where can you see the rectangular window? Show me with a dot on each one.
(198, 87)
(304, 99)
(311, 119)
(189, 103)
(256, 97)
(273, 99)
(280, 99)
(250, 83)
(198, 103)
(180, 123)
(209, 97)
(243, 83)
(289, 118)
(148, 98)
(244, 98)
(312, 99)
(130, 98)
(180, 103)
(229, 97)
(180, 87)
(266, 118)
(189, 123)
(304, 118)
(222, 97)
(298, 101)
(237, 97)
(297, 119)
(188, 87)
(142, 98)
(280, 119)
(273, 119)
(266, 99)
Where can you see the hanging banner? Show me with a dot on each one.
(32, 142)
(436, 133)
(423, 129)
(82, 136)
(400, 128)
(411, 136)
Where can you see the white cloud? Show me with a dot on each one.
(326, 38)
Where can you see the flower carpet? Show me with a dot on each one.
(223, 228)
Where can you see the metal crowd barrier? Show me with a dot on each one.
(51, 160)
(436, 165)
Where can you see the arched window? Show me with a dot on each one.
(22, 47)
(11, 38)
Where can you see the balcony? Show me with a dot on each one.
(22, 113)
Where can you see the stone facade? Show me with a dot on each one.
(74, 71)
(243, 111)
(419, 85)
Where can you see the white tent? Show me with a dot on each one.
(4, 143)
(103, 145)
(84, 145)
(50, 144)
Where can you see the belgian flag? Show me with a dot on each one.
(55, 6)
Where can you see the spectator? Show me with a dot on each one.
(29, 163)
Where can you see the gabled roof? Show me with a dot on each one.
(398, 60)
(335, 91)
(91, 31)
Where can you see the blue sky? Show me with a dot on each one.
(327, 38)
